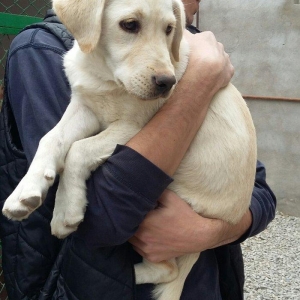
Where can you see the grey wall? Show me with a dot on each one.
(278, 135)
(263, 39)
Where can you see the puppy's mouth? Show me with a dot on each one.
(151, 96)
(148, 90)
(164, 95)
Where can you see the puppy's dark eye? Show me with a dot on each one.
(131, 26)
(169, 29)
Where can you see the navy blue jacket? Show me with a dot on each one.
(96, 262)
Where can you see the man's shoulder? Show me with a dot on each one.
(38, 38)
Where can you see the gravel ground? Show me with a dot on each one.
(272, 261)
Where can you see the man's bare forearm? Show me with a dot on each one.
(166, 138)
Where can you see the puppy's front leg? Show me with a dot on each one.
(77, 122)
(83, 158)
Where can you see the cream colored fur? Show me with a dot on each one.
(110, 72)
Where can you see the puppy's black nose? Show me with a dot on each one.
(163, 83)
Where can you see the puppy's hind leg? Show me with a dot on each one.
(172, 290)
(77, 122)
(148, 272)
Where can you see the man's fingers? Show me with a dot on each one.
(145, 250)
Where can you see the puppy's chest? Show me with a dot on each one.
(122, 107)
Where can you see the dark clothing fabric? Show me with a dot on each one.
(96, 262)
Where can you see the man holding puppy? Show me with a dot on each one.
(96, 261)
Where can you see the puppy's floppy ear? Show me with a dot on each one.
(179, 13)
(83, 19)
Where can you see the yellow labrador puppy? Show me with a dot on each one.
(109, 88)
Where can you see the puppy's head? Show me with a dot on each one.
(139, 40)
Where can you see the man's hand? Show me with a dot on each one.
(174, 229)
(209, 64)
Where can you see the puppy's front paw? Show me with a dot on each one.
(29, 194)
(15, 210)
(62, 227)
(68, 211)
(23, 201)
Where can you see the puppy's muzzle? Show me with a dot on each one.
(163, 83)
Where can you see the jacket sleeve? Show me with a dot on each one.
(127, 186)
(263, 203)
